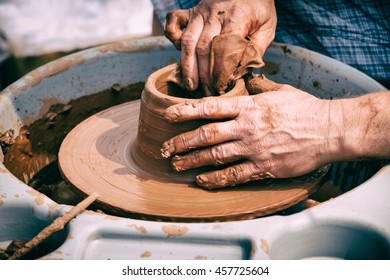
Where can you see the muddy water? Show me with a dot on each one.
(33, 156)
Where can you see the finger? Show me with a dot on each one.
(230, 26)
(189, 61)
(206, 135)
(176, 20)
(215, 155)
(232, 175)
(207, 108)
(264, 36)
(203, 49)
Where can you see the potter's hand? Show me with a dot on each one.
(248, 18)
(276, 134)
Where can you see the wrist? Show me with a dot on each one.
(363, 126)
(339, 142)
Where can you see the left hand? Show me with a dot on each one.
(277, 134)
(255, 19)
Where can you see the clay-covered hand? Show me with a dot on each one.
(253, 19)
(276, 134)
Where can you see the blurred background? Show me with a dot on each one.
(34, 32)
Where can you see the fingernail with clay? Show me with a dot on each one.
(203, 181)
(177, 163)
(189, 84)
(167, 149)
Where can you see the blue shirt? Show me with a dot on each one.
(355, 32)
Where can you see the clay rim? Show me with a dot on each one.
(164, 75)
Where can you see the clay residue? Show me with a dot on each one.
(22, 161)
(231, 58)
(7, 138)
(3, 196)
(174, 230)
(309, 203)
(39, 198)
(264, 246)
(112, 218)
(53, 205)
(317, 85)
(46, 104)
(200, 258)
(146, 254)
(32, 157)
(271, 68)
(286, 49)
(141, 229)
(36, 76)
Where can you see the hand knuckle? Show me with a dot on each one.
(266, 165)
(217, 155)
(251, 127)
(203, 48)
(235, 174)
(210, 106)
(171, 15)
(188, 37)
(207, 133)
(181, 142)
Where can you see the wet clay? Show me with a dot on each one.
(154, 129)
(116, 153)
(32, 156)
(231, 58)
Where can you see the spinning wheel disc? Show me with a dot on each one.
(96, 157)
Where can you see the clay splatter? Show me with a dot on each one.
(3, 196)
(174, 230)
(146, 254)
(264, 246)
(112, 218)
(141, 229)
(285, 49)
(39, 198)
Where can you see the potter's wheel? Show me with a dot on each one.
(96, 156)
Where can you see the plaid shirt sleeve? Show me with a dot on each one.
(356, 32)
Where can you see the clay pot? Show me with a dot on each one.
(161, 91)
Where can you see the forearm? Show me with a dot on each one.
(365, 126)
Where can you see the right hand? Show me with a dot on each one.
(253, 19)
(276, 134)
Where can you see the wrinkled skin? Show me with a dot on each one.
(252, 19)
(281, 133)
(264, 133)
